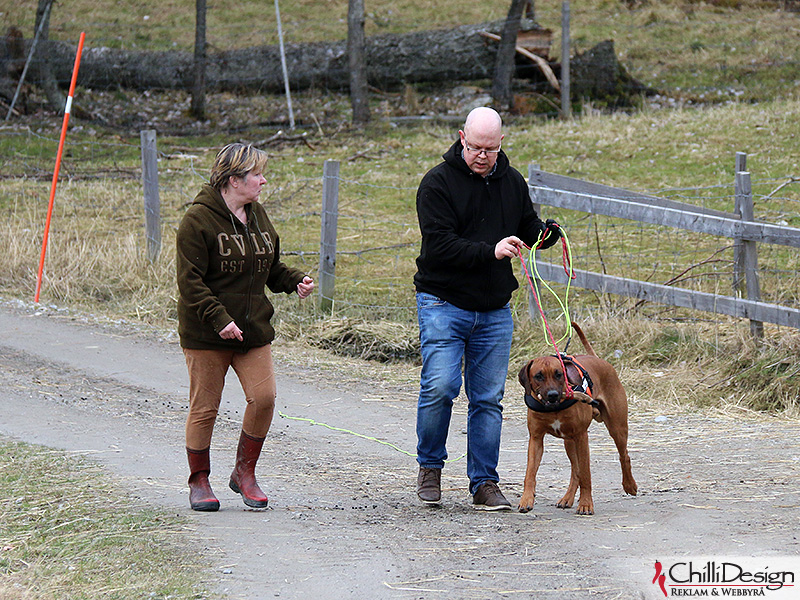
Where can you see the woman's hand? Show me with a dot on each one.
(305, 287)
(231, 332)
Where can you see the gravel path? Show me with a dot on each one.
(343, 520)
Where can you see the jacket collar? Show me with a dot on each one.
(454, 157)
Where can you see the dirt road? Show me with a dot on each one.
(343, 520)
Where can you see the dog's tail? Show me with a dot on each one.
(584, 341)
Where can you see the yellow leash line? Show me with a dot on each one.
(355, 433)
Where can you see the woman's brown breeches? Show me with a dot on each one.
(207, 370)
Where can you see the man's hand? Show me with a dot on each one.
(551, 233)
(552, 228)
(507, 247)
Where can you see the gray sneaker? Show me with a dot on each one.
(429, 485)
(489, 497)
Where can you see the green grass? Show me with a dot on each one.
(694, 51)
(96, 257)
(69, 530)
(686, 152)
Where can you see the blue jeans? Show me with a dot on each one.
(481, 341)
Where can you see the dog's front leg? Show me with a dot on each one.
(574, 477)
(535, 452)
(585, 502)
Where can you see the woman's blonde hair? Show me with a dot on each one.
(236, 160)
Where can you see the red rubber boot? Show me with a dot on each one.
(243, 478)
(201, 496)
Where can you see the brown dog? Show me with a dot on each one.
(543, 380)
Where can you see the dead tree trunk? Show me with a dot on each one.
(12, 66)
(504, 64)
(198, 108)
(41, 71)
(597, 75)
(530, 10)
(358, 69)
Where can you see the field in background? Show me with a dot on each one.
(692, 51)
(96, 258)
(681, 145)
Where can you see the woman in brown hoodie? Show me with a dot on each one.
(228, 253)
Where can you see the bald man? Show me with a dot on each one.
(474, 214)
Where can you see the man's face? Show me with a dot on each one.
(480, 149)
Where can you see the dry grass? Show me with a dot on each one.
(68, 533)
(383, 341)
(95, 259)
(96, 264)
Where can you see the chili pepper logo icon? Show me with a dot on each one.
(660, 577)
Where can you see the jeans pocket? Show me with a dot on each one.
(429, 301)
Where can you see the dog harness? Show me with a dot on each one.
(585, 386)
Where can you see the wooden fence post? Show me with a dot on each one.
(327, 248)
(152, 204)
(748, 252)
(738, 256)
(566, 105)
(741, 161)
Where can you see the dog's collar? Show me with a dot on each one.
(586, 386)
(537, 406)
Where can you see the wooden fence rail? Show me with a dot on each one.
(573, 194)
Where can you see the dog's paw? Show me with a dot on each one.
(630, 487)
(525, 504)
(566, 501)
(585, 509)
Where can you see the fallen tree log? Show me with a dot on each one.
(460, 54)
(540, 62)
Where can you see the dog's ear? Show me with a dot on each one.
(523, 376)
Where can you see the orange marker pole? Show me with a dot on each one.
(67, 110)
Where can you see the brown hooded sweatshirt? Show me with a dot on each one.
(223, 268)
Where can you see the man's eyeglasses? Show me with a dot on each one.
(478, 151)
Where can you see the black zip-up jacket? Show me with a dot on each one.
(223, 268)
(462, 216)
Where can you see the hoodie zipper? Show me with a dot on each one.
(252, 279)
(487, 284)
(248, 303)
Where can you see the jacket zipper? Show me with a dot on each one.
(249, 303)
(487, 285)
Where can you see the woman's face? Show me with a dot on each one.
(251, 185)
